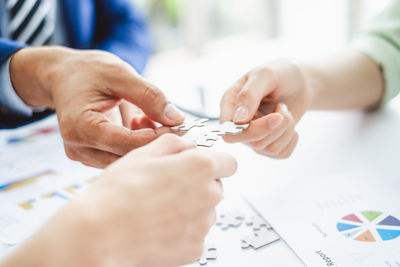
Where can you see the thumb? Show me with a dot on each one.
(250, 96)
(151, 100)
(166, 144)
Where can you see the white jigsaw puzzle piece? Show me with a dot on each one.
(187, 125)
(230, 219)
(230, 127)
(258, 222)
(205, 139)
(209, 253)
(260, 239)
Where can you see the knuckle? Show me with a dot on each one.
(265, 71)
(71, 153)
(151, 95)
(203, 163)
(212, 195)
(246, 93)
(259, 145)
(67, 132)
(273, 149)
(284, 155)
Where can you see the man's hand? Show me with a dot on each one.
(273, 98)
(95, 94)
(151, 208)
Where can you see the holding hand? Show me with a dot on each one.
(94, 94)
(273, 98)
(151, 208)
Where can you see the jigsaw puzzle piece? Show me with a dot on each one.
(187, 125)
(258, 222)
(230, 127)
(206, 139)
(230, 219)
(209, 253)
(260, 239)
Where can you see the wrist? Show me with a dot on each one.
(33, 70)
(313, 83)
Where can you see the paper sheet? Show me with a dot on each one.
(36, 179)
(349, 219)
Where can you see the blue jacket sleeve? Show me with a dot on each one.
(121, 29)
(7, 48)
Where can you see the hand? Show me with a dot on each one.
(151, 208)
(93, 94)
(273, 98)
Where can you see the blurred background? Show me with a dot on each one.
(191, 23)
(203, 46)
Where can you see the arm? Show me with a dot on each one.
(350, 80)
(139, 227)
(274, 97)
(121, 29)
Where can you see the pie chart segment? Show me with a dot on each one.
(369, 226)
(391, 221)
(371, 215)
(387, 234)
(352, 217)
(344, 226)
(366, 237)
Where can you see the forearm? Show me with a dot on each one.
(350, 80)
(65, 240)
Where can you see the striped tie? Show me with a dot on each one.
(30, 21)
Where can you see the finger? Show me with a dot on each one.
(228, 101)
(135, 123)
(286, 152)
(90, 156)
(164, 145)
(142, 123)
(277, 146)
(103, 135)
(128, 112)
(215, 164)
(273, 124)
(290, 148)
(114, 116)
(259, 85)
(146, 122)
(277, 140)
(150, 99)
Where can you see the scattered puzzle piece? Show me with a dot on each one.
(258, 222)
(260, 239)
(186, 126)
(230, 219)
(209, 253)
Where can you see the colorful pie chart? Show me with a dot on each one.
(369, 226)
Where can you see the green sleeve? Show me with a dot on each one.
(381, 41)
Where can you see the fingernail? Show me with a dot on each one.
(241, 114)
(172, 113)
(275, 121)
